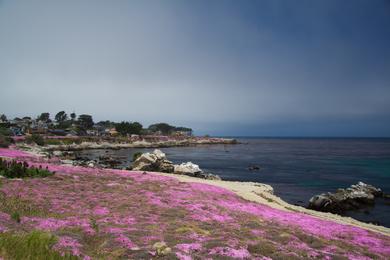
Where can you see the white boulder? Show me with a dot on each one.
(187, 168)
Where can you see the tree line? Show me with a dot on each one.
(85, 122)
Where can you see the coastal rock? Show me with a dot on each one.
(193, 170)
(155, 161)
(209, 176)
(187, 168)
(57, 153)
(109, 161)
(166, 166)
(355, 197)
(253, 168)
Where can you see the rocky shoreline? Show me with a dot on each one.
(357, 196)
(155, 161)
(256, 192)
(140, 144)
(148, 214)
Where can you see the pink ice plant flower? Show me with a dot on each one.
(101, 211)
(240, 253)
(188, 248)
(66, 242)
(125, 241)
(120, 210)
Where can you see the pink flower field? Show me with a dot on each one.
(110, 214)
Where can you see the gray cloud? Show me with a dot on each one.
(216, 66)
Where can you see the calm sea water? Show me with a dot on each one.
(296, 168)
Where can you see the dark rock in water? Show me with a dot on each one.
(355, 197)
(203, 175)
(254, 168)
(109, 161)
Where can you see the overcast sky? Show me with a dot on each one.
(266, 68)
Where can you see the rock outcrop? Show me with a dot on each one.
(193, 170)
(187, 168)
(355, 197)
(155, 161)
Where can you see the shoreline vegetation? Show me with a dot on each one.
(181, 216)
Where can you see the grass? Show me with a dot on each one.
(17, 207)
(34, 245)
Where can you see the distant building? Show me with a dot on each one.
(182, 133)
(113, 132)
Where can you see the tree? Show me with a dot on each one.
(61, 116)
(164, 128)
(184, 129)
(136, 128)
(73, 116)
(106, 124)
(125, 128)
(3, 118)
(85, 121)
(44, 117)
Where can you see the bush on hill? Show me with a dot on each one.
(35, 138)
(14, 169)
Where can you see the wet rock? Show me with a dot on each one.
(355, 197)
(253, 168)
(109, 161)
(57, 153)
(209, 176)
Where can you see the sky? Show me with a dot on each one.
(226, 68)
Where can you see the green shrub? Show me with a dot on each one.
(5, 141)
(5, 137)
(16, 216)
(35, 138)
(136, 155)
(64, 141)
(33, 246)
(38, 139)
(14, 169)
(5, 131)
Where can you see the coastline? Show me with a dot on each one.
(263, 193)
(139, 144)
(187, 215)
(254, 192)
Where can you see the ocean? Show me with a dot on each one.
(297, 168)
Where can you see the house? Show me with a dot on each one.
(38, 127)
(92, 132)
(182, 133)
(112, 131)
